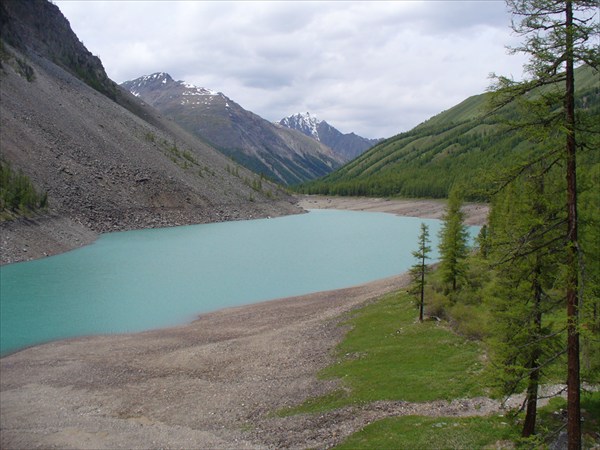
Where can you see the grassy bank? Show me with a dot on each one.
(388, 355)
(414, 432)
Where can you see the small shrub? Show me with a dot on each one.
(189, 156)
(436, 304)
(17, 193)
(468, 321)
(25, 70)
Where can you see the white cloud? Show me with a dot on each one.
(375, 68)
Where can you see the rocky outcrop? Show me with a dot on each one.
(38, 26)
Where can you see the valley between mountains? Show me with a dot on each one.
(81, 155)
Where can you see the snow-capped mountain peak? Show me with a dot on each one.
(152, 81)
(304, 122)
(348, 146)
(161, 81)
(191, 89)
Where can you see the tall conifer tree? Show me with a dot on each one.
(527, 248)
(419, 270)
(453, 241)
(558, 34)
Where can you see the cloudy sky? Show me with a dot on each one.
(374, 68)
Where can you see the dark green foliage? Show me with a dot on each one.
(528, 231)
(419, 270)
(17, 194)
(453, 242)
(464, 144)
(483, 241)
(557, 36)
(589, 238)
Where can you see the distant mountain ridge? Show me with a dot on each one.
(277, 152)
(349, 145)
(151, 86)
(463, 144)
(305, 123)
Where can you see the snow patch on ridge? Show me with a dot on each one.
(304, 122)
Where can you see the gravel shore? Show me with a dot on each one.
(475, 213)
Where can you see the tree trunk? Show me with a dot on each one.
(533, 366)
(422, 306)
(532, 393)
(573, 376)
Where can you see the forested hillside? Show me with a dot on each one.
(463, 144)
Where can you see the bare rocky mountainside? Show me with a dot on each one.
(346, 145)
(279, 153)
(107, 161)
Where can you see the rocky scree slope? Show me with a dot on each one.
(104, 167)
(278, 153)
(348, 146)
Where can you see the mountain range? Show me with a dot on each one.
(163, 152)
(348, 146)
(106, 159)
(279, 153)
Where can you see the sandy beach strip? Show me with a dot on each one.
(475, 213)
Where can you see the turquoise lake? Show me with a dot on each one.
(139, 280)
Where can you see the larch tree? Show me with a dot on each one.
(453, 241)
(419, 269)
(558, 35)
(526, 250)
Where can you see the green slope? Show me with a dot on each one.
(462, 144)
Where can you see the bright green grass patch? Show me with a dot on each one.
(416, 432)
(412, 432)
(389, 355)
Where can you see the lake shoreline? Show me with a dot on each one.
(475, 213)
(43, 235)
(51, 233)
(143, 390)
(212, 383)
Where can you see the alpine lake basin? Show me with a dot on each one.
(133, 281)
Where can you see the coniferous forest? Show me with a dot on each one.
(467, 144)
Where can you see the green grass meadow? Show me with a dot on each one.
(388, 355)
(415, 432)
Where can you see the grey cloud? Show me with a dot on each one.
(380, 67)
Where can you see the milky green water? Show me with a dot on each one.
(138, 280)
